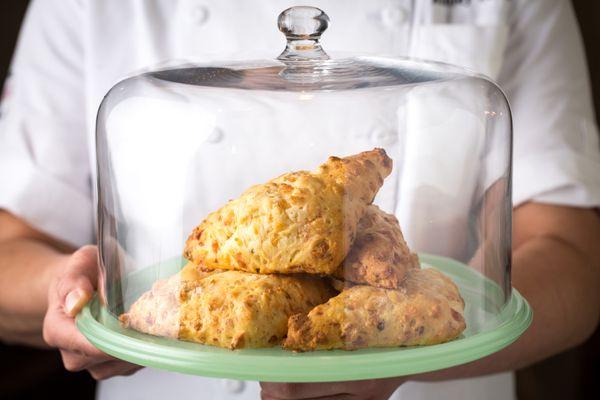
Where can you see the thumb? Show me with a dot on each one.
(75, 300)
(78, 282)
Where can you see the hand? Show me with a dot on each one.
(374, 389)
(67, 295)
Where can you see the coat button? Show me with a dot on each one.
(199, 14)
(233, 386)
(393, 16)
(215, 136)
(383, 137)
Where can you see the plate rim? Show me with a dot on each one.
(314, 366)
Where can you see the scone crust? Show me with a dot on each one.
(299, 222)
(379, 256)
(428, 309)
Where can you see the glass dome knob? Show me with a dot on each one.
(302, 27)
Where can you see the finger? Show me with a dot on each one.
(75, 286)
(75, 300)
(84, 262)
(76, 361)
(289, 391)
(113, 368)
(60, 331)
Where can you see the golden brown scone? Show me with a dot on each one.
(428, 309)
(379, 256)
(231, 309)
(157, 311)
(299, 222)
(242, 310)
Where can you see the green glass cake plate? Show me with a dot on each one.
(489, 329)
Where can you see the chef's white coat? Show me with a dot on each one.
(71, 52)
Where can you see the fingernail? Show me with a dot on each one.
(73, 301)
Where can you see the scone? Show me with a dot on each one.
(157, 311)
(230, 309)
(427, 309)
(299, 222)
(379, 256)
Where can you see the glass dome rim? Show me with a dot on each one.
(438, 71)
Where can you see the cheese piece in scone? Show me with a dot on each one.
(230, 309)
(379, 256)
(427, 309)
(299, 222)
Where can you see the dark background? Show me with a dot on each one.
(575, 374)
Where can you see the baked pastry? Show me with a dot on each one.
(379, 256)
(234, 292)
(157, 311)
(242, 310)
(230, 309)
(299, 222)
(427, 309)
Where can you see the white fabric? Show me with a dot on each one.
(154, 384)
(71, 52)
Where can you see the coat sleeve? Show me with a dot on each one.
(44, 161)
(556, 155)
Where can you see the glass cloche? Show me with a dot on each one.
(252, 215)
